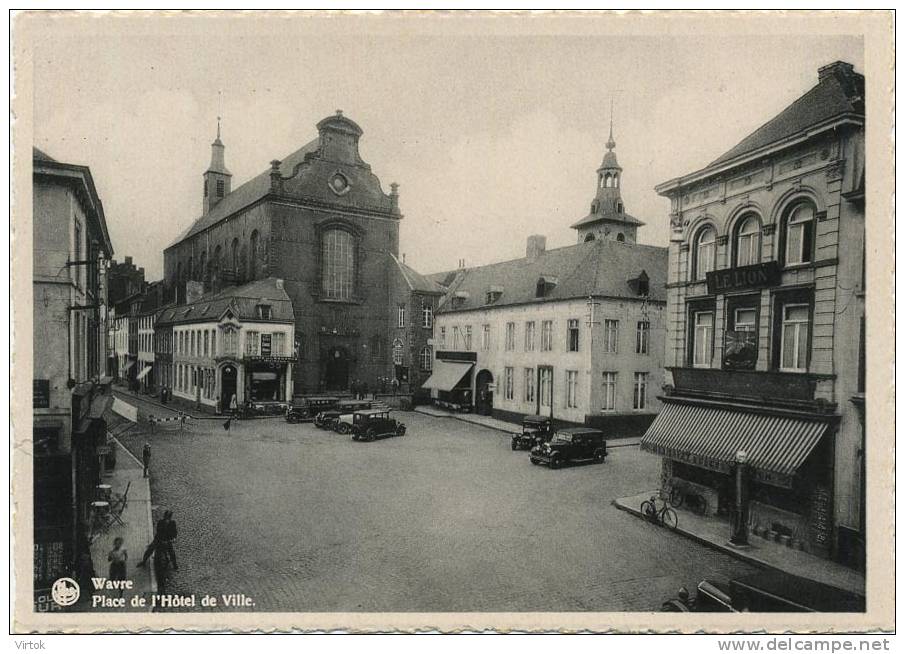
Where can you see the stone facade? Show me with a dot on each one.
(742, 213)
(320, 221)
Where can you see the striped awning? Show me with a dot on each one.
(710, 437)
(446, 375)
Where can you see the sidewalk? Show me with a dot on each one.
(136, 534)
(714, 533)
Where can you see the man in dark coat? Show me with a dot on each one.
(163, 540)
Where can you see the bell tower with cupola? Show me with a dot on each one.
(607, 219)
(217, 178)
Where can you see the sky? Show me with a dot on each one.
(491, 137)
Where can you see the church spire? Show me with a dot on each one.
(217, 177)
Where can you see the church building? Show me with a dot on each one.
(319, 220)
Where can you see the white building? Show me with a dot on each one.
(239, 341)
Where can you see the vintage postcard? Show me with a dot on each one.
(563, 321)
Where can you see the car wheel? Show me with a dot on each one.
(514, 445)
(534, 462)
(370, 434)
(342, 428)
(556, 463)
(600, 455)
(400, 430)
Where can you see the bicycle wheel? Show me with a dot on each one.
(647, 511)
(668, 518)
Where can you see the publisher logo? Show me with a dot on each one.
(65, 591)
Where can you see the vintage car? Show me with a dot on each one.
(372, 424)
(536, 430)
(571, 444)
(305, 408)
(766, 592)
(327, 418)
(255, 408)
(342, 424)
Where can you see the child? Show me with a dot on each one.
(118, 557)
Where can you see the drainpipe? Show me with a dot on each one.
(739, 535)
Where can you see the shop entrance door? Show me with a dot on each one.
(483, 387)
(228, 377)
(336, 373)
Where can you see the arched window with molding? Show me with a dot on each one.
(704, 253)
(747, 240)
(798, 234)
(426, 358)
(338, 264)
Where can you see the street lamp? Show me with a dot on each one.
(739, 535)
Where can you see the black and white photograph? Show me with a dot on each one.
(571, 321)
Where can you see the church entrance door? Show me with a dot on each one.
(336, 373)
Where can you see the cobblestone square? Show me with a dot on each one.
(446, 518)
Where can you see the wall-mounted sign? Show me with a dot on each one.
(40, 396)
(760, 275)
(265, 345)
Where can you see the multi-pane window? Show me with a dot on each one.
(642, 337)
(639, 393)
(572, 389)
(400, 316)
(397, 352)
(278, 346)
(702, 347)
(610, 335)
(740, 340)
(704, 253)
(427, 316)
(338, 253)
(573, 335)
(207, 343)
(252, 343)
(546, 336)
(231, 342)
(443, 337)
(794, 346)
(485, 338)
(508, 383)
(213, 343)
(456, 337)
(800, 234)
(529, 384)
(747, 242)
(466, 337)
(545, 389)
(609, 392)
(510, 336)
(426, 358)
(529, 336)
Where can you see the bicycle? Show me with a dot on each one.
(665, 515)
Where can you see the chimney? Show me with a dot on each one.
(537, 244)
(276, 179)
(461, 264)
(837, 68)
(128, 261)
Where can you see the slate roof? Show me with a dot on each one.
(623, 218)
(242, 299)
(415, 280)
(249, 192)
(837, 94)
(601, 268)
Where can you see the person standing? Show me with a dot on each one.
(234, 406)
(146, 459)
(117, 558)
(163, 540)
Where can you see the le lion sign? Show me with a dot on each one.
(760, 275)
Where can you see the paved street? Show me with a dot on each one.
(446, 518)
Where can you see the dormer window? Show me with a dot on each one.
(459, 298)
(545, 285)
(493, 294)
(264, 311)
(618, 207)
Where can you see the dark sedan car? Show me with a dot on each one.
(571, 444)
(535, 431)
(372, 424)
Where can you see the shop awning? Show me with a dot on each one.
(446, 375)
(143, 373)
(710, 437)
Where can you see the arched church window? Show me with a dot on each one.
(338, 264)
(253, 255)
(234, 256)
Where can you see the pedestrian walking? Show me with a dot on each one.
(364, 391)
(146, 459)
(395, 386)
(163, 541)
(234, 406)
(118, 557)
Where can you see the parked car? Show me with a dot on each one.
(571, 444)
(766, 592)
(325, 419)
(372, 424)
(303, 409)
(342, 424)
(536, 430)
(264, 408)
